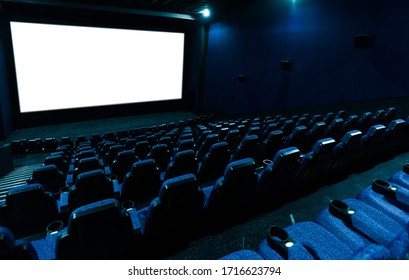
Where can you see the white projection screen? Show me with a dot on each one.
(62, 67)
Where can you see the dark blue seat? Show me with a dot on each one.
(395, 141)
(233, 138)
(287, 127)
(123, 164)
(28, 209)
(214, 163)
(142, 183)
(346, 151)
(303, 241)
(206, 144)
(90, 186)
(371, 143)
(84, 165)
(335, 129)
(248, 148)
(50, 144)
(59, 161)
(130, 144)
(142, 149)
(269, 147)
(297, 139)
(316, 163)
(161, 154)
(364, 122)
(11, 249)
(235, 190)
(100, 230)
(317, 132)
(401, 178)
(110, 156)
(276, 178)
(358, 224)
(184, 162)
(393, 200)
(175, 215)
(52, 179)
(267, 130)
(350, 123)
(186, 144)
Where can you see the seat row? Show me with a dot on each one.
(374, 225)
(289, 173)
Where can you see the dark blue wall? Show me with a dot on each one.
(5, 103)
(317, 35)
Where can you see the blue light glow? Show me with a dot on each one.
(205, 12)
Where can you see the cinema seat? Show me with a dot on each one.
(142, 183)
(206, 144)
(90, 186)
(273, 143)
(100, 230)
(11, 249)
(110, 156)
(276, 178)
(84, 165)
(390, 199)
(233, 139)
(401, 178)
(303, 241)
(298, 138)
(248, 148)
(315, 164)
(317, 132)
(214, 163)
(28, 209)
(371, 143)
(184, 162)
(335, 129)
(235, 190)
(52, 179)
(358, 224)
(59, 161)
(346, 151)
(174, 216)
(123, 164)
(142, 149)
(161, 154)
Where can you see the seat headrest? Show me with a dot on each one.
(45, 172)
(25, 193)
(179, 192)
(90, 178)
(101, 213)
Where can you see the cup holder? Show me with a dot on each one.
(341, 210)
(54, 227)
(385, 188)
(127, 205)
(279, 240)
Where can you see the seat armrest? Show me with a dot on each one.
(63, 202)
(117, 188)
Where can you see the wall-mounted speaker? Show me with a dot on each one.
(363, 41)
(286, 65)
(243, 79)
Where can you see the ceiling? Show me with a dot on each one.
(189, 7)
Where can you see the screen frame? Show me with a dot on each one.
(79, 16)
